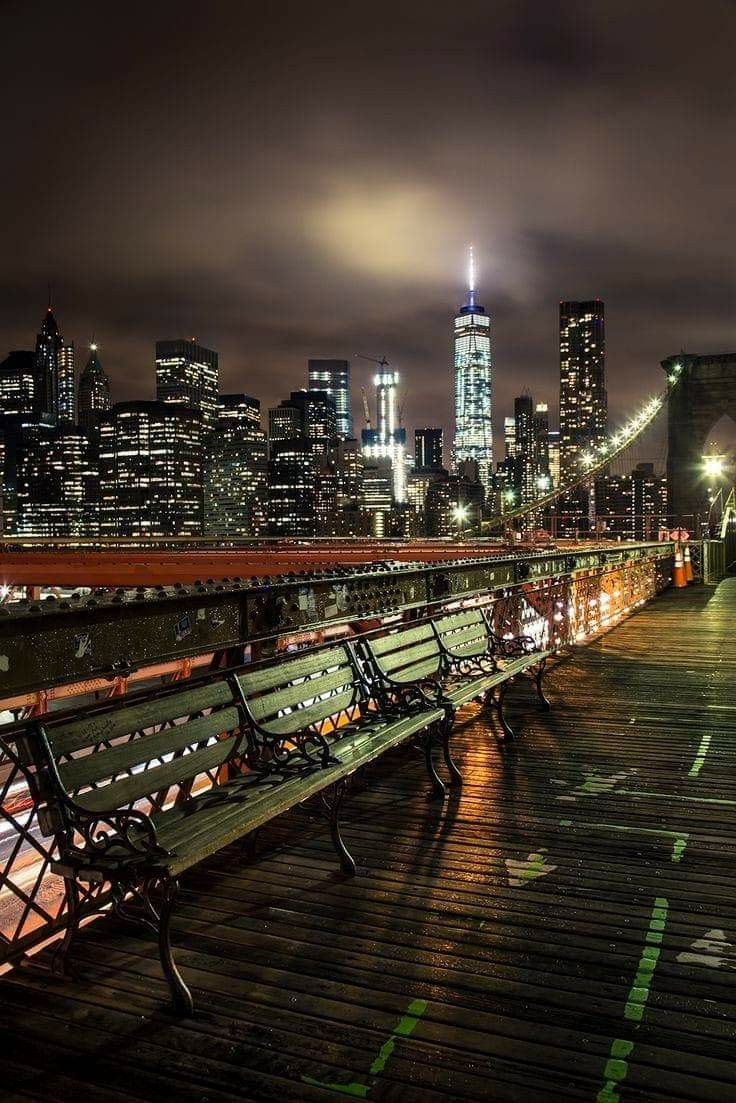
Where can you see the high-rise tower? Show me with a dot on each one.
(333, 377)
(66, 385)
(473, 429)
(188, 373)
(583, 402)
(94, 391)
(388, 440)
(48, 346)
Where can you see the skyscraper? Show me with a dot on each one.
(333, 377)
(151, 470)
(388, 439)
(94, 391)
(22, 387)
(188, 373)
(66, 385)
(583, 401)
(58, 483)
(428, 448)
(235, 468)
(48, 344)
(473, 428)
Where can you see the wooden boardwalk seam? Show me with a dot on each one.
(564, 928)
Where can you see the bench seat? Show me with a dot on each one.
(465, 689)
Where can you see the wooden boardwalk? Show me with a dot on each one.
(563, 929)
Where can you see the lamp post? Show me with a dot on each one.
(460, 514)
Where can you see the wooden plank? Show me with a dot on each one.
(96, 726)
(391, 661)
(108, 762)
(289, 669)
(380, 645)
(272, 702)
(119, 794)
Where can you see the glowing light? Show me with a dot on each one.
(460, 513)
(508, 495)
(587, 459)
(713, 465)
(4, 591)
(471, 270)
(93, 347)
(543, 482)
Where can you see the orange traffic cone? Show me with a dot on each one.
(688, 564)
(678, 573)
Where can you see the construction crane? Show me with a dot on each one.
(366, 411)
(382, 363)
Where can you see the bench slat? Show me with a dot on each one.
(403, 638)
(122, 721)
(286, 671)
(300, 719)
(460, 620)
(394, 660)
(271, 703)
(119, 794)
(416, 672)
(473, 632)
(107, 763)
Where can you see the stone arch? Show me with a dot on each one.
(706, 391)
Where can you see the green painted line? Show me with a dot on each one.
(678, 848)
(697, 765)
(677, 796)
(616, 1070)
(404, 1027)
(617, 1066)
(639, 991)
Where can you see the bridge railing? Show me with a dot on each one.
(558, 609)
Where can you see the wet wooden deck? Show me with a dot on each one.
(563, 929)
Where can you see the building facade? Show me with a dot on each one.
(94, 392)
(387, 441)
(333, 377)
(66, 385)
(473, 386)
(151, 470)
(188, 374)
(428, 449)
(583, 399)
(58, 483)
(235, 470)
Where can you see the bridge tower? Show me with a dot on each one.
(707, 389)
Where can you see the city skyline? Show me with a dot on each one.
(169, 213)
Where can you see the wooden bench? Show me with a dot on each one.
(139, 791)
(460, 654)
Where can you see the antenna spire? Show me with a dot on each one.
(471, 269)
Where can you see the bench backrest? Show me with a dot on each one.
(301, 693)
(115, 757)
(406, 655)
(464, 635)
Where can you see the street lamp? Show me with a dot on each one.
(460, 513)
(543, 482)
(713, 466)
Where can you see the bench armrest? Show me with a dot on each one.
(122, 834)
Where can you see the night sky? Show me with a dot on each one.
(302, 179)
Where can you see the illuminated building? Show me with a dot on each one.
(58, 483)
(427, 448)
(309, 415)
(22, 387)
(151, 470)
(94, 391)
(378, 493)
(188, 373)
(388, 440)
(509, 437)
(291, 488)
(48, 344)
(553, 455)
(583, 401)
(235, 470)
(473, 428)
(633, 506)
(66, 385)
(333, 377)
(454, 504)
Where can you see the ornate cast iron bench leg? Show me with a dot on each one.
(60, 960)
(332, 799)
(181, 995)
(544, 703)
(508, 731)
(456, 778)
(427, 743)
